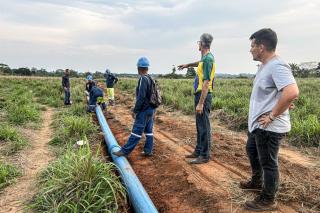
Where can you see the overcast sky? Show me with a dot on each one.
(98, 34)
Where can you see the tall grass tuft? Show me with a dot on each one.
(11, 136)
(79, 182)
(70, 128)
(21, 108)
(8, 173)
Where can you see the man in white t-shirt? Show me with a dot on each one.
(274, 90)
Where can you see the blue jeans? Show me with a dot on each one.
(143, 124)
(67, 96)
(203, 146)
(262, 149)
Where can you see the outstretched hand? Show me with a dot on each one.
(182, 66)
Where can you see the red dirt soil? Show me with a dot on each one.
(174, 185)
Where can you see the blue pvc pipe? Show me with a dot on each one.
(138, 196)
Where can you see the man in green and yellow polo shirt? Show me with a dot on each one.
(203, 85)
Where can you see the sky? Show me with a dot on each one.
(97, 34)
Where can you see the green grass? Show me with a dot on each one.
(11, 136)
(19, 105)
(231, 98)
(8, 174)
(71, 128)
(79, 182)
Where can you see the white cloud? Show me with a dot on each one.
(90, 35)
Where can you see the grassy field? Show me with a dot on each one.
(231, 101)
(87, 183)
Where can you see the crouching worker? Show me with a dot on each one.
(96, 97)
(89, 84)
(142, 113)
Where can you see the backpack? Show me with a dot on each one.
(155, 95)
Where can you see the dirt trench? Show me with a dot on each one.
(174, 185)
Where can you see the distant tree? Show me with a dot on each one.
(295, 69)
(22, 71)
(33, 70)
(191, 73)
(59, 72)
(173, 70)
(5, 69)
(98, 74)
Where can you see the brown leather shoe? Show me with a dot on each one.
(260, 204)
(250, 185)
(193, 155)
(199, 160)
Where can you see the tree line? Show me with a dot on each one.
(25, 71)
(299, 72)
(191, 72)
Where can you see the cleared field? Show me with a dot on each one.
(231, 104)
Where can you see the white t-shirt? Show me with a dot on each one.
(270, 79)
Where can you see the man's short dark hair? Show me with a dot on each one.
(143, 69)
(267, 37)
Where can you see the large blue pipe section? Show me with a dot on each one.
(139, 198)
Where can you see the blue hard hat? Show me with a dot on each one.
(143, 62)
(89, 77)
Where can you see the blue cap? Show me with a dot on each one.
(143, 62)
(89, 77)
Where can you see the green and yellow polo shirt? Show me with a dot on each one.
(206, 70)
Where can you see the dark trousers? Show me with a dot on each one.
(143, 124)
(67, 96)
(203, 127)
(262, 149)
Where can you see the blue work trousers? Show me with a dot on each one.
(143, 124)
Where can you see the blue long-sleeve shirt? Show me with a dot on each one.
(65, 81)
(111, 79)
(143, 92)
(95, 92)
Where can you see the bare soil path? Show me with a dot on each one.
(176, 186)
(31, 160)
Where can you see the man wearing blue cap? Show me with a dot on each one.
(142, 112)
(111, 80)
(96, 97)
(90, 83)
